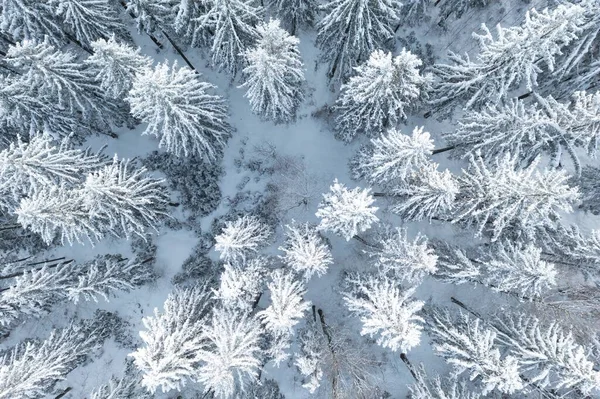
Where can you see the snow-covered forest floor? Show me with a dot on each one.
(295, 163)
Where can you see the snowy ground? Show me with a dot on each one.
(326, 158)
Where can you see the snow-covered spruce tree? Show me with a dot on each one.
(427, 387)
(126, 197)
(401, 259)
(306, 251)
(32, 368)
(500, 198)
(458, 8)
(496, 130)
(413, 12)
(504, 267)
(30, 20)
(393, 156)
(274, 76)
(58, 77)
(89, 20)
(590, 189)
(287, 307)
(332, 363)
(549, 355)
(386, 311)
(29, 113)
(35, 291)
(520, 270)
(59, 211)
(578, 65)
(241, 283)
(179, 111)
(426, 194)
(310, 359)
(294, 14)
(571, 248)
(232, 356)
(548, 127)
(173, 340)
(351, 30)
(121, 388)
(514, 58)
(115, 65)
(457, 265)
(469, 346)
(241, 237)
(26, 167)
(380, 94)
(151, 15)
(186, 24)
(233, 25)
(346, 212)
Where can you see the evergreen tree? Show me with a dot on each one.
(549, 356)
(381, 93)
(548, 127)
(516, 57)
(58, 77)
(233, 23)
(590, 189)
(413, 12)
(180, 111)
(30, 113)
(510, 268)
(295, 14)
(151, 15)
(274, 75)
(114, 65)
(351, 30)
(26, 167)
(401, 259)
(306, 251)
(89, 20)
(385, 311)
(579, 66)
(30, 20)
(426, 194)
(32, 368)
(120, 388)
(125, 197)
(287, 307)
(241, 284)
(346, 212)
(393, 156)
(436, 388)
(173, 340)
(469, 346)
(500, 198)
(241, 237)
(35, 291)
(59, 211)
(232, 357)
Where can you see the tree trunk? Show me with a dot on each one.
(408, 365)
(465, 307)
(440, 150)
(78, 43)
(63, 393)
(364, 242)
(176, 47)
(154, 39)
